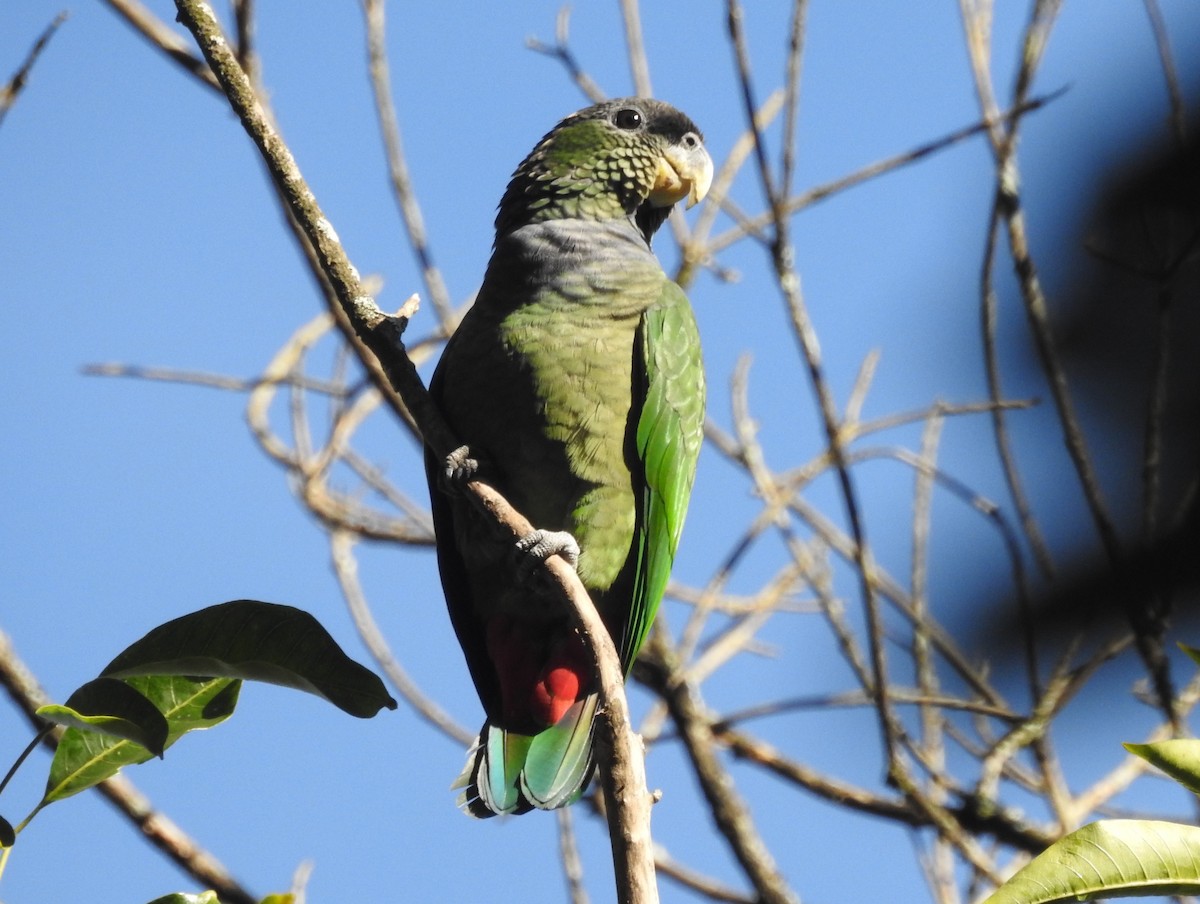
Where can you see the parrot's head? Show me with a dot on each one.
(628, 158)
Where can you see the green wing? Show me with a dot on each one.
(670, 428)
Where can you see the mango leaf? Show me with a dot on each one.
(85, 758)
(111, 707)
(1112, 858)
(205, 897)
(261, 642)
(1179, 758)
(279, 899)
(8, 837)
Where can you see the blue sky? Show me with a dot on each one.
(136, 227)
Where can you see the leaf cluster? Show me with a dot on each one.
(183, 676)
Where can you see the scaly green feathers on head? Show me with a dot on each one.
(627, 158)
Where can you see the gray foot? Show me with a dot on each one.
(541, 544)
(459, 468)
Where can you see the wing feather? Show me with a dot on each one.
(669, 373)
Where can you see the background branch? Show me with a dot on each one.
(15, 85)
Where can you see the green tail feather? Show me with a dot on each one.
(514, 773)
(559, 761)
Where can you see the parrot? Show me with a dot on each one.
(576, 385)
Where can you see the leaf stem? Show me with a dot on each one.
(37, 739)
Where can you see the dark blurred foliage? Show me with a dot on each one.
(1128, 330)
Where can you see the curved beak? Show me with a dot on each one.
(682, 173)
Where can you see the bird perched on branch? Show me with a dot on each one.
(576, 383)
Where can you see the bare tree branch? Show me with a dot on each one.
(244, 28)
(1145, 619)
(561, 51)
(1170, 74)
(163, 37)
(15, 85)
(341, 543)
(729, 812)
(782, 257)
(402, 188)
(988, 315)
(636, 48)
(622, 769)
(697, 882)
(568, 850)
(754, 226)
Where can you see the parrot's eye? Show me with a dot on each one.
(691, 141)
(628, 118)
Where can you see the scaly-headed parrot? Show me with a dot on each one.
(575, 381)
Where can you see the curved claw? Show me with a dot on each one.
(459, 467)
(538, 546)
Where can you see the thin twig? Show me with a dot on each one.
(937, 865)
(732, 604)
(160, 35)
(995, 516)
(1145, 620)
(311, 469)
(12, 90)
(991, 362)
(754, 226)
(820, 579)
(244, 28)
(203, 378)
(932, 718)
(402, 189)
(740, 452)
(697, 882)
(1170, 74)
(1156, 407)
(860, 698)
(697, 250)
(728, 810)
(856, 429)
(345, 566)
(561, 51)
(791, 88)
(568, 850)
(635, 47)
(1001, 825)
(782, 256)
(1131, 766)
(738, 636)
(843, 545)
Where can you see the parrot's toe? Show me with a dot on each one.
(459, 467)
(540, 545)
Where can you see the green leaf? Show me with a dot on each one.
(85, 758)
(111, 707)
(205, 897)
(8, 837)
(279, 899)
(1112, 858)
(260, 642)
(1179, 758)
